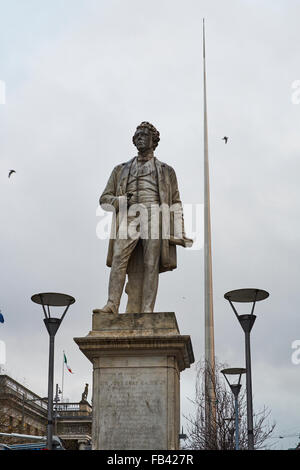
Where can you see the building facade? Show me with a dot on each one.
(23, 411)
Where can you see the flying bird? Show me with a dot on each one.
(226, 139)
(11, 172)
(1, 318)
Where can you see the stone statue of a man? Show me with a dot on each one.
(148, 224)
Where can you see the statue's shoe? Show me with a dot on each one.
(106, 309)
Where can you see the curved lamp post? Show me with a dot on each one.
(47, 300)
(235, 388)
(247, 322)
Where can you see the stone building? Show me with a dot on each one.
(73, 424)
(23, 411)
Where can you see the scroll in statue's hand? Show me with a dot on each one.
(185, 242)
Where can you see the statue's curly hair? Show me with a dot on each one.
(154, 131)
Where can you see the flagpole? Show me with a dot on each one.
(210, 398)
(62, 379)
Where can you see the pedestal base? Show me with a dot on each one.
(137, 360)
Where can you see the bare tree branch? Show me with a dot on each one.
(220, 434)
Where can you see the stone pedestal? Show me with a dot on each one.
(137, 359)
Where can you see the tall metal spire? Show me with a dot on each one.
(210, 408)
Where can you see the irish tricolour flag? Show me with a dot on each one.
(66, 362)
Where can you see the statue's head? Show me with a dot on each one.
(146, 137)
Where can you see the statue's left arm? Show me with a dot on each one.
(179, 232)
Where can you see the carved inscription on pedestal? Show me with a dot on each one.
(133, 408)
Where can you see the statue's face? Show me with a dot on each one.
(143, 139)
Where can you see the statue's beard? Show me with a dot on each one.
(144, 153)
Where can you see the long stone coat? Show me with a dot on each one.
(168, 193)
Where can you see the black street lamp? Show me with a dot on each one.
(247, 322)
(47, 300)
(235, 388)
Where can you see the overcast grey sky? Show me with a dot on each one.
(80, 75)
